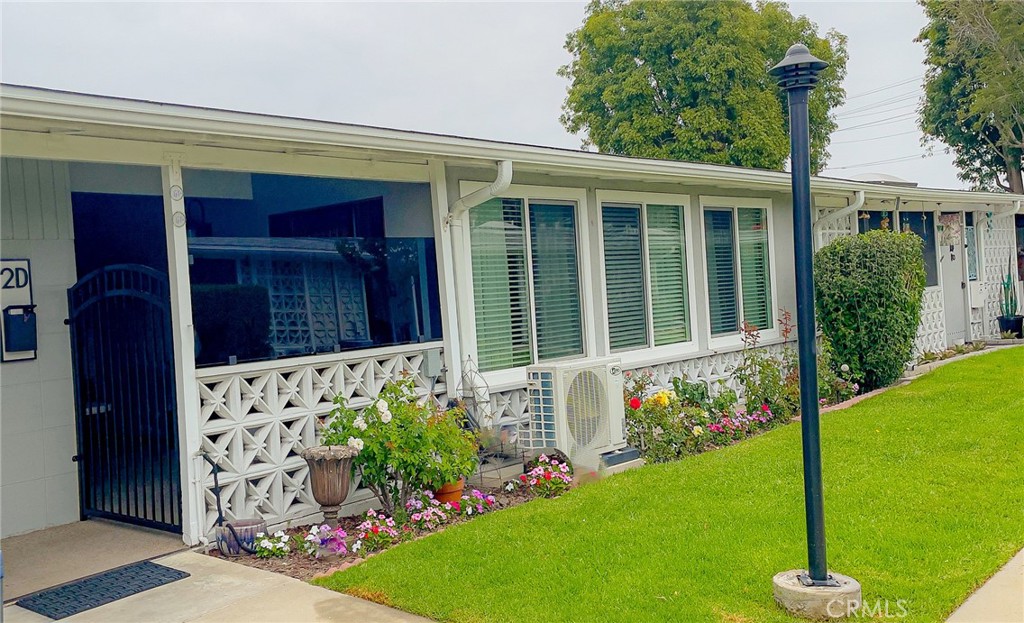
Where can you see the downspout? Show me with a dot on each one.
(473, 199)
(857, 204)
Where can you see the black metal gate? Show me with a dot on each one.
(125, 396)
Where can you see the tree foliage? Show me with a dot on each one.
(688, 81)
(868, 299)
(974, 87)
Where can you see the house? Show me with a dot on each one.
(181, 281)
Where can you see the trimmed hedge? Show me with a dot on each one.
(868, 299)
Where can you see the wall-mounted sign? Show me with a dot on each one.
(18, 326)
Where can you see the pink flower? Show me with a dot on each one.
(764, 408)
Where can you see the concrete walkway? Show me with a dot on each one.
(58, 555)
(225, 592)
(1000, 600)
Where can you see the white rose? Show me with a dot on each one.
(355, 443)
(359, 423)
(382, 405)
(385, 417)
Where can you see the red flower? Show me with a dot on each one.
(634, 403)
(456, 506)
(765, 408)
(375, 529)
(523, 478)
(547, 475)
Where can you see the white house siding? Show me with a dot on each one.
(37, 417)
(931, 333)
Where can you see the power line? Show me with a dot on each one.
(885, 88)
(892, 100)
(887, 161)
(886, 121)
(880, 111)
(875, 138)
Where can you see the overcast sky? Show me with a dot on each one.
(479, 69)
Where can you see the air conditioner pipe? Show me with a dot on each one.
(857, 204)
(473, 199)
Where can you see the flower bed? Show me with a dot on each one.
(307, 551)
(692, 417)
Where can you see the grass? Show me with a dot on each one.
(924, 500)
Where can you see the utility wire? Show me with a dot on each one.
(887, 161)
(886, 121)
(887, 102)
(874, 138)
(885, 87)
(881, 111)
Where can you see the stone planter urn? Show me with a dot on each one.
(330, 475)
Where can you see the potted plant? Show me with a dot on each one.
(406, 443)
(1010, 320)
(456, 454)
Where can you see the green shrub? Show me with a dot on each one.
(869, 291)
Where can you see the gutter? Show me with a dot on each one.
(465, 203)
(857, 204)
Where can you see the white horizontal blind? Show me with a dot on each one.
(752, 224)
(556, 286)
(624, 276)
(721, 267)
(500, 284)
(670, 300)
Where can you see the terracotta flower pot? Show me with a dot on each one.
(330, 475)
(451, 492)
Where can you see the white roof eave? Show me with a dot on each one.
(65, 107)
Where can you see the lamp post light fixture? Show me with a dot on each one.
(814, 593)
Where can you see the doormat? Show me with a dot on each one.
(99, 590)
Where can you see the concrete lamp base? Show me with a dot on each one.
(818, 603)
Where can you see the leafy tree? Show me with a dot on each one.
(974, 87)
(688, 81)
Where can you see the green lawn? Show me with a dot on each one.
(924, 500)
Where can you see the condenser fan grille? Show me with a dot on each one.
(585, 409)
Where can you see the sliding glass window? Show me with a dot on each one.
(738, 268)
(646, 286)
(526, 283)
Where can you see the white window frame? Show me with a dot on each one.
(513, 377)
(641, 355)
(726, 340)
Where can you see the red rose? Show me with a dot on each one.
(547, 475)
(765, 408)
(634, 403)
(376, 529)
(523, 478)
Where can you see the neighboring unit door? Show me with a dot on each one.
(952, 254)
(125, 396)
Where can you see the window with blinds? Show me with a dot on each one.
(670, 298)
(720, 250)
(556, 284)
(752, 225)
(624, 276)
(500, 284)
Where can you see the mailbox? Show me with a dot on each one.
(19, 328)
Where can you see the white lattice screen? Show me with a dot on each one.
(256, 419)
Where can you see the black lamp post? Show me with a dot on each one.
(797, 74)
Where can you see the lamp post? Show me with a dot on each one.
(815, 590)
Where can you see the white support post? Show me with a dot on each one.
(445, 274)
(193, 506)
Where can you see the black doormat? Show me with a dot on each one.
(101, 589)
